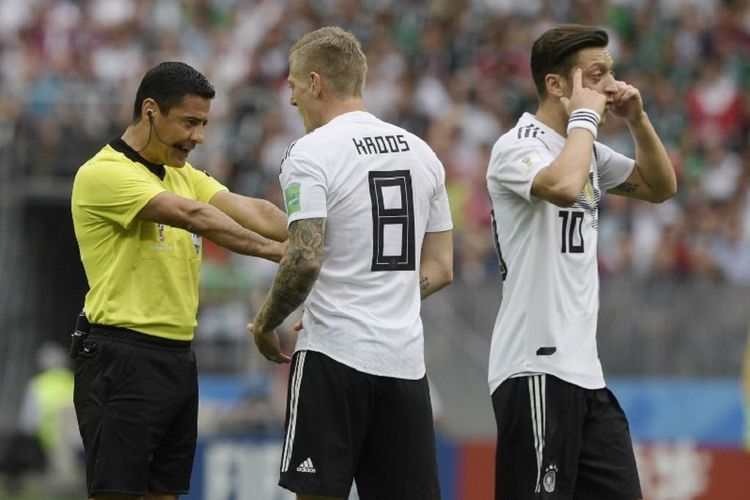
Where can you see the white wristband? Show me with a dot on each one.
(584, 118)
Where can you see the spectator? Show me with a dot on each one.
(47, 440)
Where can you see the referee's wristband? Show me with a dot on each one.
(584, 118)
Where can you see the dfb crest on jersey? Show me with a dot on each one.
(548, 481)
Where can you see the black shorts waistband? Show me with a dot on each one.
(120, 334)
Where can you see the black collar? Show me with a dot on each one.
(119, 145)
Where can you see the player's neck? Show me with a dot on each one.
(554, 116)
(339, 107)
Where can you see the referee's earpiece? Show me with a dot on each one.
(150, 114)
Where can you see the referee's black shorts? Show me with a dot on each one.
(556, 440)
(136, 398)
(343, 424)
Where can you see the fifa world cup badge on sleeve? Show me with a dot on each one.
(291, 198)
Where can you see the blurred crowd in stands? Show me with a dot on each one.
(456, 72)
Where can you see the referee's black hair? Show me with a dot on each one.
(556, 50)
(168, 83)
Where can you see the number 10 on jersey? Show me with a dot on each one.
(571, 237)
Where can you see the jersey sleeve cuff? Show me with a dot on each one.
(306, 215)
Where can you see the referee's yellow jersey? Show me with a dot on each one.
(142, 275)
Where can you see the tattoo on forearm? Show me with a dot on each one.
(306, 236)
(627, 187)
(294, 278)
(424, 282)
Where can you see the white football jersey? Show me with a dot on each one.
(547, 321)
(380, 189)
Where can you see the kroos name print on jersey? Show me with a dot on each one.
(381, 144)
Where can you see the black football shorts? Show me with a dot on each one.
(136, 398)
(342, 424)
(556, 440)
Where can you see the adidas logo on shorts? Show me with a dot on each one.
(306, 466)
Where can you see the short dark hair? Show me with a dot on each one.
(168, 83)
(556, 49)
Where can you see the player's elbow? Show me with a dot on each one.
(442, 275)
(564, 200)
(309, 270)
(661, 198)
(562, 193)
(446, 277)
(305, 269)
(666, 193)
(306, 274)
(563, 197)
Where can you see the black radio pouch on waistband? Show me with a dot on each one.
(80, 332)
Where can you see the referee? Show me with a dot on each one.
(560, 432)
(140, 211)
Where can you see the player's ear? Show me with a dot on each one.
(316, 84)
(555, 84)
